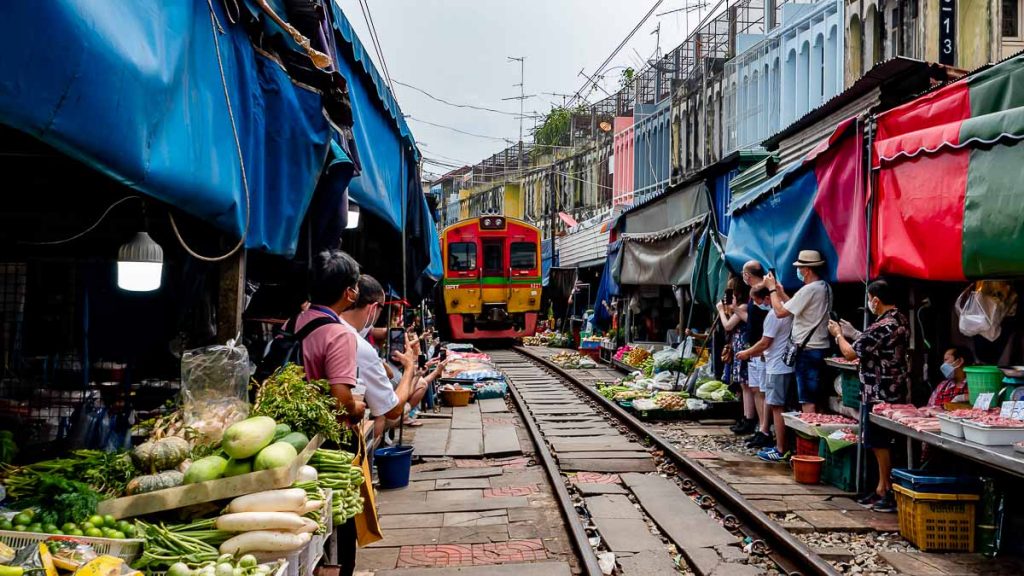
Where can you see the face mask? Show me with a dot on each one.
(873, 307)
(765, 307)
(947, 370)
(800, 274)
(371, 319)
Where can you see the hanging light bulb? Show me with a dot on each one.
(353, 216)
(140, 264)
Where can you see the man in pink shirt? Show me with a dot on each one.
(329, 352)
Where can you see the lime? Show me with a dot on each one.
(94, 533)
(6, 525)
(20, 528)
(57, 532)
(30, 511)
(117, 535)
(122, 525)
(69, 526)
(36, 527)
(129, 531)
(49, 528)
(87, 525)
(96, 520)
(76, 532)
(22, 519)
(109, 521)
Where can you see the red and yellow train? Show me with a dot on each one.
(492, 278)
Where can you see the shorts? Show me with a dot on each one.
(777, 388)
(808, 374)
(756, 373)
(874, 436)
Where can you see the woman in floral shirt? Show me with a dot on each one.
(883, 350)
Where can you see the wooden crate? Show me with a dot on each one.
(220, 489)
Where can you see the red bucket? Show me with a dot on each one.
(806, 446)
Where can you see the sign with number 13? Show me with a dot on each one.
(947, 32)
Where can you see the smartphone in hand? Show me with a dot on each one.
(396, 340)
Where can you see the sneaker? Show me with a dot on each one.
(772, 454)
(760, 440)
(744, 426)
(868, 500)
(885, 504)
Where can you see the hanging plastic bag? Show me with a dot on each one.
(981, 313)
(214, 389)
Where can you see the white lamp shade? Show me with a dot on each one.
(139, 276)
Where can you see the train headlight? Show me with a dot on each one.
(533, 300)
(455, 302)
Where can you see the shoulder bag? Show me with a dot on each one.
(793, 349)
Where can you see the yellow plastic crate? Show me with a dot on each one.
(936, 521)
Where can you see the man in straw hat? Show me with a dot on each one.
(810, 308)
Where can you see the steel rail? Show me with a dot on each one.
(797, 558)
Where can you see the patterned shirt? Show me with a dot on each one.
(948, 391)
(884, 359)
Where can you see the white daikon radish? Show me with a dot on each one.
(265, 541)
(286, 500)
(311, 506)
(306, 474)
(309, 525)
(250, 521)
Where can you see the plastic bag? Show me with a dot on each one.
(980, 314)
(667, 381)
(214, 389)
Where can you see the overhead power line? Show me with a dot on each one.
(457, 105)
(368, 17)
(460, 131)
(597, 73)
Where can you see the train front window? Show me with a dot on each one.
(523, 256)
(462, 256)
(493, 258)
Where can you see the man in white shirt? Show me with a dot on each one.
(809, 308)
(383, 400)
(778, 379)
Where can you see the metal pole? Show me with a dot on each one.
(866, 179)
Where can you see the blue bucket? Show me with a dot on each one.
(393, 465)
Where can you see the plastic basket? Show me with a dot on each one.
(127, 549)
(456, 398)
(851, 389)
(806, 445)
(923, 481)
(936, 521)
(840, 467)
(982, 379)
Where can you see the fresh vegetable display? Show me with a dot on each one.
(609, 392)
(225, 565)
(305, 406)
(671, 400)
(573, 360)
(106, 472)
(636, 357)
(158, 455)
(335, 471)
(621, 352)
(716, 391)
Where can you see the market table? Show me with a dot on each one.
(1002, 458)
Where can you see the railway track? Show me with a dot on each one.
(600, 459)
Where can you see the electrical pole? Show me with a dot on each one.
(522, 100)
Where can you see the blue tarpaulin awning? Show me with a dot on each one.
(135, 90)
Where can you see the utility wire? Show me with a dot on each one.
(368, 18)
(460, 131)
(616, 51)
(469, 106)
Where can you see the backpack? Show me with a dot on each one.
(286, 347)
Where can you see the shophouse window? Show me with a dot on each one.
(1011, 19)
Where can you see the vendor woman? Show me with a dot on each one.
(954, 387)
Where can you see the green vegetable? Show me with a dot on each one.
(151, 483)
(296, 439)
(60, 500)
(246, 438)
(277, 455)
(179, 569)
(107, 473)
(705, 390)
(165, 454)
(281, 430)
(238, 467)
(209, 468)
(306, 407)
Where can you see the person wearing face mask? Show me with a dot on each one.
(810, 308)
(884, 369)
(384, 402)
(954, 386)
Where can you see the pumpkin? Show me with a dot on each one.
(153, 482)
(163, 454)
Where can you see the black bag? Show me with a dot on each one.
(286, 347)
(793, 350)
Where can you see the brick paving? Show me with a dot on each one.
(511, 491)
(595, 478)
(452, 555)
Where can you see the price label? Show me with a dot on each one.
(984, 401)
(1006, 410)
(1018, 410)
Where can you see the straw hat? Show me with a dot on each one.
(809, 258)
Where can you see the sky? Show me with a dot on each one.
(457, 50)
